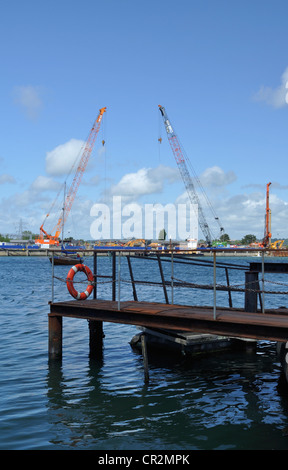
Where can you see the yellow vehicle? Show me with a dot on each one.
(137, 242)
(277, 244)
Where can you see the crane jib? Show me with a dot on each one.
(180, 160)
(77, 179)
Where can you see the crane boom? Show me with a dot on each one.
(53, 239)
(180, 160)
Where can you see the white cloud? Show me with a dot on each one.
(276, 97)
(5, 178)
(60, 160)
(243, 214)
(145, 181)
(29, 99)
(43, 183)
(215, 176)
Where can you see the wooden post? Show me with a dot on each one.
(113, 276)
(145, 358)
(251, 285)
(282, 352)
(55, 337)
(95, 339)
(95, 275)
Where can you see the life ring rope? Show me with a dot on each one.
(69, 282)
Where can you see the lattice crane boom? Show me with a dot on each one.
(190, 188)
(72, 191)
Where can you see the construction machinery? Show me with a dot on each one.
(189, 185)
(46, 238)
(136, 242)
(266, 242)
(277, 245)
(267, 232)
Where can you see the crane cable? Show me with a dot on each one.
(199, 184)
(159, 136)
(74, 164)
(205, 196)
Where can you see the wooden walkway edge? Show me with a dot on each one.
(271, 325)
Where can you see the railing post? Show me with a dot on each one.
(52, 276)
(162, 278)
(214, 285)
(251, 284)
(95, 275)
(113, 275)
(263, 286)
(119, 280)
(172, 278)
(228, 286)
(132, 278)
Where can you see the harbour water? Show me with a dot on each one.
(229, 400)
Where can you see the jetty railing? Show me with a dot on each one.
(253, 286)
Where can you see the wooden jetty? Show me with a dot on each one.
(249, 322)
(273, 325)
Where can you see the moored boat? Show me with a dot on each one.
(66, 258)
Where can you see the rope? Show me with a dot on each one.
(181, 283)
(83, 281)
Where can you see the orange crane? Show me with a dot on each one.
(267, 234)
(69, 199)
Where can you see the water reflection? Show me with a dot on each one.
(223, 401)
(188, 404)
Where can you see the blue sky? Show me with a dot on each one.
(218, 67)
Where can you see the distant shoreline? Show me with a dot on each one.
(231, 253)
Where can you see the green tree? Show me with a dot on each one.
(225, 237)
(4, 239)
(27, 235)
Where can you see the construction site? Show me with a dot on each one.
(55, 238)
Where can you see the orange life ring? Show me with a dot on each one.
(70, 286)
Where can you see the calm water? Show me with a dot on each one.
(226, 401)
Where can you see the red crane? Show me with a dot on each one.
(69, 199)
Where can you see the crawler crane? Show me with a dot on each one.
(180, 160)
(267, 234)
(69, 199)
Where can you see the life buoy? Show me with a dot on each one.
(70, 277)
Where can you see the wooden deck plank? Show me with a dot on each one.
(271, 325)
